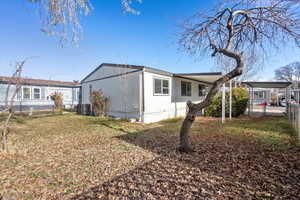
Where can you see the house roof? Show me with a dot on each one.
(138, 67)
(39, 82)
(201, 77)
(270, 84)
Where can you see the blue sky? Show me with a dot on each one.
(109, 36)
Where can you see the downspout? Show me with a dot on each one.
(80, 102)
(142, 96)
(73, 96)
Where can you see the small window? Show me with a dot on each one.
(26, 93)
(186, 88)
(202, 90)
(37, 93)
(258, 94)
(161, 86)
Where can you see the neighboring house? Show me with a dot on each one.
(35, 93)
(143, 93)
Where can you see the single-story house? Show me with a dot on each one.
(35, 93)
(144, 93)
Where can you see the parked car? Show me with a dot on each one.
(282, 102)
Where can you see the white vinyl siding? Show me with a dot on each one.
(19, 94)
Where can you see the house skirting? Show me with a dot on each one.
(175, 110)
(21, 108)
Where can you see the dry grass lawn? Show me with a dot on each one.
(80, 157)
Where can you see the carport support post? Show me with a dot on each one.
(223, 104)
(277, 97)
(230, 100)
(252, 99)
(286, 102)
(298, 122)
(249, 101)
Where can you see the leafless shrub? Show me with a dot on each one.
(10, 96)
(58, 101)
(99, 103)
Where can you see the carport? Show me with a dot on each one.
(264, 110)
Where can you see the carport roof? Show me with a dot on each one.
(270, 84)
(208, 77)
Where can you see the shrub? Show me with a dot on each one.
(58, 101)
(99, 103)
(240, 99)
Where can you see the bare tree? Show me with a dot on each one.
(290, 72)
(237, 30)
(62, 17)
(13, 87)
(253, 65)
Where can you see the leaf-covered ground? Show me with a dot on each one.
(79, 157)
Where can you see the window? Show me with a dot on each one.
(36, 93)
(201, 90)
(26, 93)
(259, 94)
(186, 88)
(161, 86)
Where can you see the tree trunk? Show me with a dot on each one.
(194, 108)
(5, 132)
(184, 131)
(4, 141)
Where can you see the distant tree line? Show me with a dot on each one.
(290, 72)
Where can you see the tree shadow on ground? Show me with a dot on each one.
(223, 166)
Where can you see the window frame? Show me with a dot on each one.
(33, 94)
(162, 86)
(181, 91)
(24, 87)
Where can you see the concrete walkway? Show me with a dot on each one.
(258, 111)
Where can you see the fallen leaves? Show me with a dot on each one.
(77, 157)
